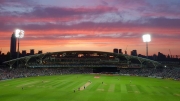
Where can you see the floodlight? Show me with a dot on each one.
(146, 38)
(19, 33)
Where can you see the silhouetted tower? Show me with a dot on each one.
(13, 46)
(24, 53)
(134, 52)
(120, 51)
(115, 50)
(125, 52)
(31, 51)
(40, 52)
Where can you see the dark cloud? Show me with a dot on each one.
(166, 36)
(168, 9)
(15, 3)
(162, 23)
(51, 14)
(54, 12)
(104, 2)
(151, 23)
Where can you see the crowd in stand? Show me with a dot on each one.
(173, 73)
(28, 72)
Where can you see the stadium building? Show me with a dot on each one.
(98, 61)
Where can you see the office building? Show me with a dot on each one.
(120, 51)
(134, 52)
(24, 53)
(115, 50)
(31, 51)
(13, 46)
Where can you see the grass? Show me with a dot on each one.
(61, 88)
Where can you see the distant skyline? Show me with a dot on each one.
(100, 25)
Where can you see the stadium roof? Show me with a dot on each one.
(26, 58)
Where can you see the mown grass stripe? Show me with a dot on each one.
(142, 89)
(123, 88)
(64, 84)
(98, 96)
(135, 89)
(154, 91)
(94, 86)
(71, 86)
(168, 90)
(129, 88)
(55, 83)
(111, 88)
(117, 88)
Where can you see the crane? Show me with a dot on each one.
(170, 53)
(126, 49)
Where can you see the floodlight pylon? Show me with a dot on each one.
(19, 34)
(146, 39)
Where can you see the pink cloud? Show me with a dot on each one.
(83, 26)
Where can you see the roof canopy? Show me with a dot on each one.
(128, 57)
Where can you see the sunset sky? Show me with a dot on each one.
(101, 25)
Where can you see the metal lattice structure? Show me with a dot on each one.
(81, 59)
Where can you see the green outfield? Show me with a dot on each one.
(114, 88)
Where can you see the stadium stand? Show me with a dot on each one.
(168, 73)
(80, 62)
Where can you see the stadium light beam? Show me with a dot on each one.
(146, 39)
(19, 34)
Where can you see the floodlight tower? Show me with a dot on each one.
(146, 38)
(19, 34)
